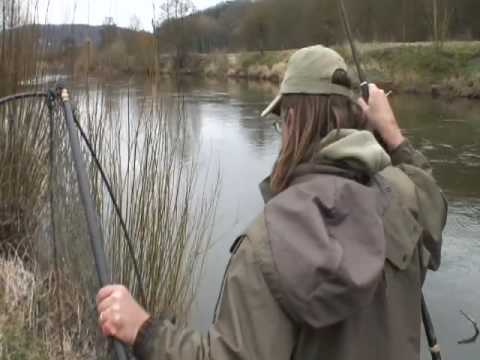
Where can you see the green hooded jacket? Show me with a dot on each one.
(331, 269)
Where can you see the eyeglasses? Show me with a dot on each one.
(277, 125)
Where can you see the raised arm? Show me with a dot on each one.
(431, 205)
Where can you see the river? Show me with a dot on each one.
(224, 118)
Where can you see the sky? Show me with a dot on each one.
(94, 12)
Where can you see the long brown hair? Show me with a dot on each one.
(314, 116)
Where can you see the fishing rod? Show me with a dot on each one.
(426, 317)
(356, 58)
(430, 332)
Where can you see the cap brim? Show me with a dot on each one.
(274, 107)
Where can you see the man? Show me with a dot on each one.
(334, 265)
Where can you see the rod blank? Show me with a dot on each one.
(95, 234)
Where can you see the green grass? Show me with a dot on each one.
(430, 63)
(453, 67)
(17, 343)
(20, 338)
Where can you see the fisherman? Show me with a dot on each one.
(334, 265)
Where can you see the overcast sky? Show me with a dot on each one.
(93, 12)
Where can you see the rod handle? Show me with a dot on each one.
(365, 91)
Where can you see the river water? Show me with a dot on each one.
(230, 136)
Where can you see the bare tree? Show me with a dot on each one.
(444, 25)
(135, 23)
(435, 21)
(4, 28)
(108, 21)
(255, 27)
(171, 28)
(440, 20)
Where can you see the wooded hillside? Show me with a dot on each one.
(288, 24)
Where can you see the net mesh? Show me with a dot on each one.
(47, 274)
(23, 153)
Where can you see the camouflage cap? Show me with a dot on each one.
(310, 71)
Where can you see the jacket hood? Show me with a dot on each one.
(359, 149)
(326, 232)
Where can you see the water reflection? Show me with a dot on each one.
(449, 134)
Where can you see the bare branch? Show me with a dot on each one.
(472, 339)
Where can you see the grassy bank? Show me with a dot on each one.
(451, 71)
(28, 327)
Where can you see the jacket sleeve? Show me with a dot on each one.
(249, 322)
(431, 203)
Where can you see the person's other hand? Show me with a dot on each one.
(381, 118)
(120, 315)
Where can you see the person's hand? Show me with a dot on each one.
(381, 118)
(120, 315)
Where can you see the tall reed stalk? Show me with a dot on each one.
(168, 214)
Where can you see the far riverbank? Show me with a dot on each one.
(450, 71)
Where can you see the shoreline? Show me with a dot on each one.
(452, 71)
